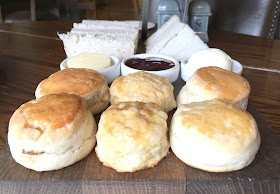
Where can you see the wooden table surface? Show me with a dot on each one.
(30, 52)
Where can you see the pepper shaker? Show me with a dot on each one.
(199, 15)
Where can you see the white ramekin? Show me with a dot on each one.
(171, 74)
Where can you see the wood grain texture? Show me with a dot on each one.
(261, 176)
(40, 28)
(90, 176)
(248, 50)
(260, 53)
(24, 62)
(169, 176)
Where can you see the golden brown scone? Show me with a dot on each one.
(132, 136)
(51, 132)
(143, 87)
(213, 82)
(88, 84)
(214, 136)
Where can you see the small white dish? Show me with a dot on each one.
(186, 73)
(171, 74)
(110, 73)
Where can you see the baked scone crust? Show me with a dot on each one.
(51, 132)
(132, 136)
(213, 82)
(143, 87)
(87, 83)
(214, 136)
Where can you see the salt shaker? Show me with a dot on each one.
(166, 9)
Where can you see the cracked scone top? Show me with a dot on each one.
(214, 136)
(132, 136)
(213, 82)
(51, 132)
(87, 83)
(143, 87)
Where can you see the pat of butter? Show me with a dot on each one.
(89, 61)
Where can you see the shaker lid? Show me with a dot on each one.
(199, 7)
(168, 6)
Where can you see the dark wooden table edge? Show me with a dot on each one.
(50, 186)
(190, 186)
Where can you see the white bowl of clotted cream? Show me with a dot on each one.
(110, 73)
(209, 57)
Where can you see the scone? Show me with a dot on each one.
(132, 136)
(214, 136)
(88, 84)
(213, 82)
(51, 132)
(143, 87)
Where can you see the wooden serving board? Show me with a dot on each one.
(169, 176)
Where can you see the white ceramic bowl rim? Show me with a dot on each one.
(185, 61)
(187, 73)
(144, 55)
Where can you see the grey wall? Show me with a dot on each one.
(251, 17)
